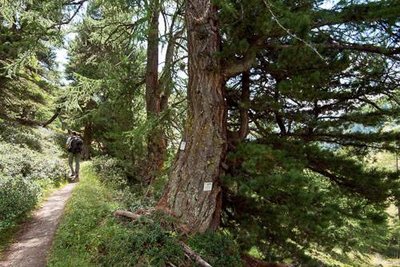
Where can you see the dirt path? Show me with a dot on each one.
(34, 240)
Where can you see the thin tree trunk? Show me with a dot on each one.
(204, 145)
(87, 141)
(236, 137)
(56, 114)
(397, 171)
(244, 106)
(156, 141)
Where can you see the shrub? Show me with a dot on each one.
(29, 164)
(110, 170)
(18, 195)
(114, 173)
(16, 160)
(59, 138)
(392, 245)
(20, 135)
(217, 248)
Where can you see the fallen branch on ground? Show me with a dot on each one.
(191, 254)
(133, 215)
(181, 228)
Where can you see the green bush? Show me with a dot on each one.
(16, 134)
(16, 160)
(114, 173)
(29, 164)
(391, 248)
(110, 170)
(217, 248)
(18, 195)
(59, 138)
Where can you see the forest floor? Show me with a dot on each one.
(34, 240)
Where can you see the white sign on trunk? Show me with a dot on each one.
(182, 146)
(207, 186)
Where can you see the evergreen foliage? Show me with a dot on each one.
(95, 238)
(323, 85)
(311, 90)
(322, 88)
(286, 211)
(28, 32)
(106, 93)
(217, 248)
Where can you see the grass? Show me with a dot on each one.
(88, 210)
(89, 235)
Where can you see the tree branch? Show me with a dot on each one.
(56, 114)
(364, 48)
(79, 4)
(191, 254)
(245, 63)
(356, 13)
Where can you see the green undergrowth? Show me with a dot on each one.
(7, 234)
(30, 168)
(89, 234)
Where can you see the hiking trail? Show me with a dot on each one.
(32, 243)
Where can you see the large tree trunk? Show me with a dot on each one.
(156, 141)
(198, 161)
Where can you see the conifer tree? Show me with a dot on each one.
(29, 31)
(316, 75)
(113, 34)
(285, 101)
(322, 85)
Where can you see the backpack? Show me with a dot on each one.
(75, 145)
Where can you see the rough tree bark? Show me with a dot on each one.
(156, 141)
(200, 158)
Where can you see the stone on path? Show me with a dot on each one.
(33, 242)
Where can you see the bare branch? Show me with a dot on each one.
(79, 4)
(189, 252)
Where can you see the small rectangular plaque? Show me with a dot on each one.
(182, 146)
(207, 186)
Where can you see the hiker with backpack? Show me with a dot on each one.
(74, 146)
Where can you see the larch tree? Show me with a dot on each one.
(159, 86)
(228, 38)
(117, 33)
(106, 74)
(156, 143)
(29, 31)
(203, 147)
